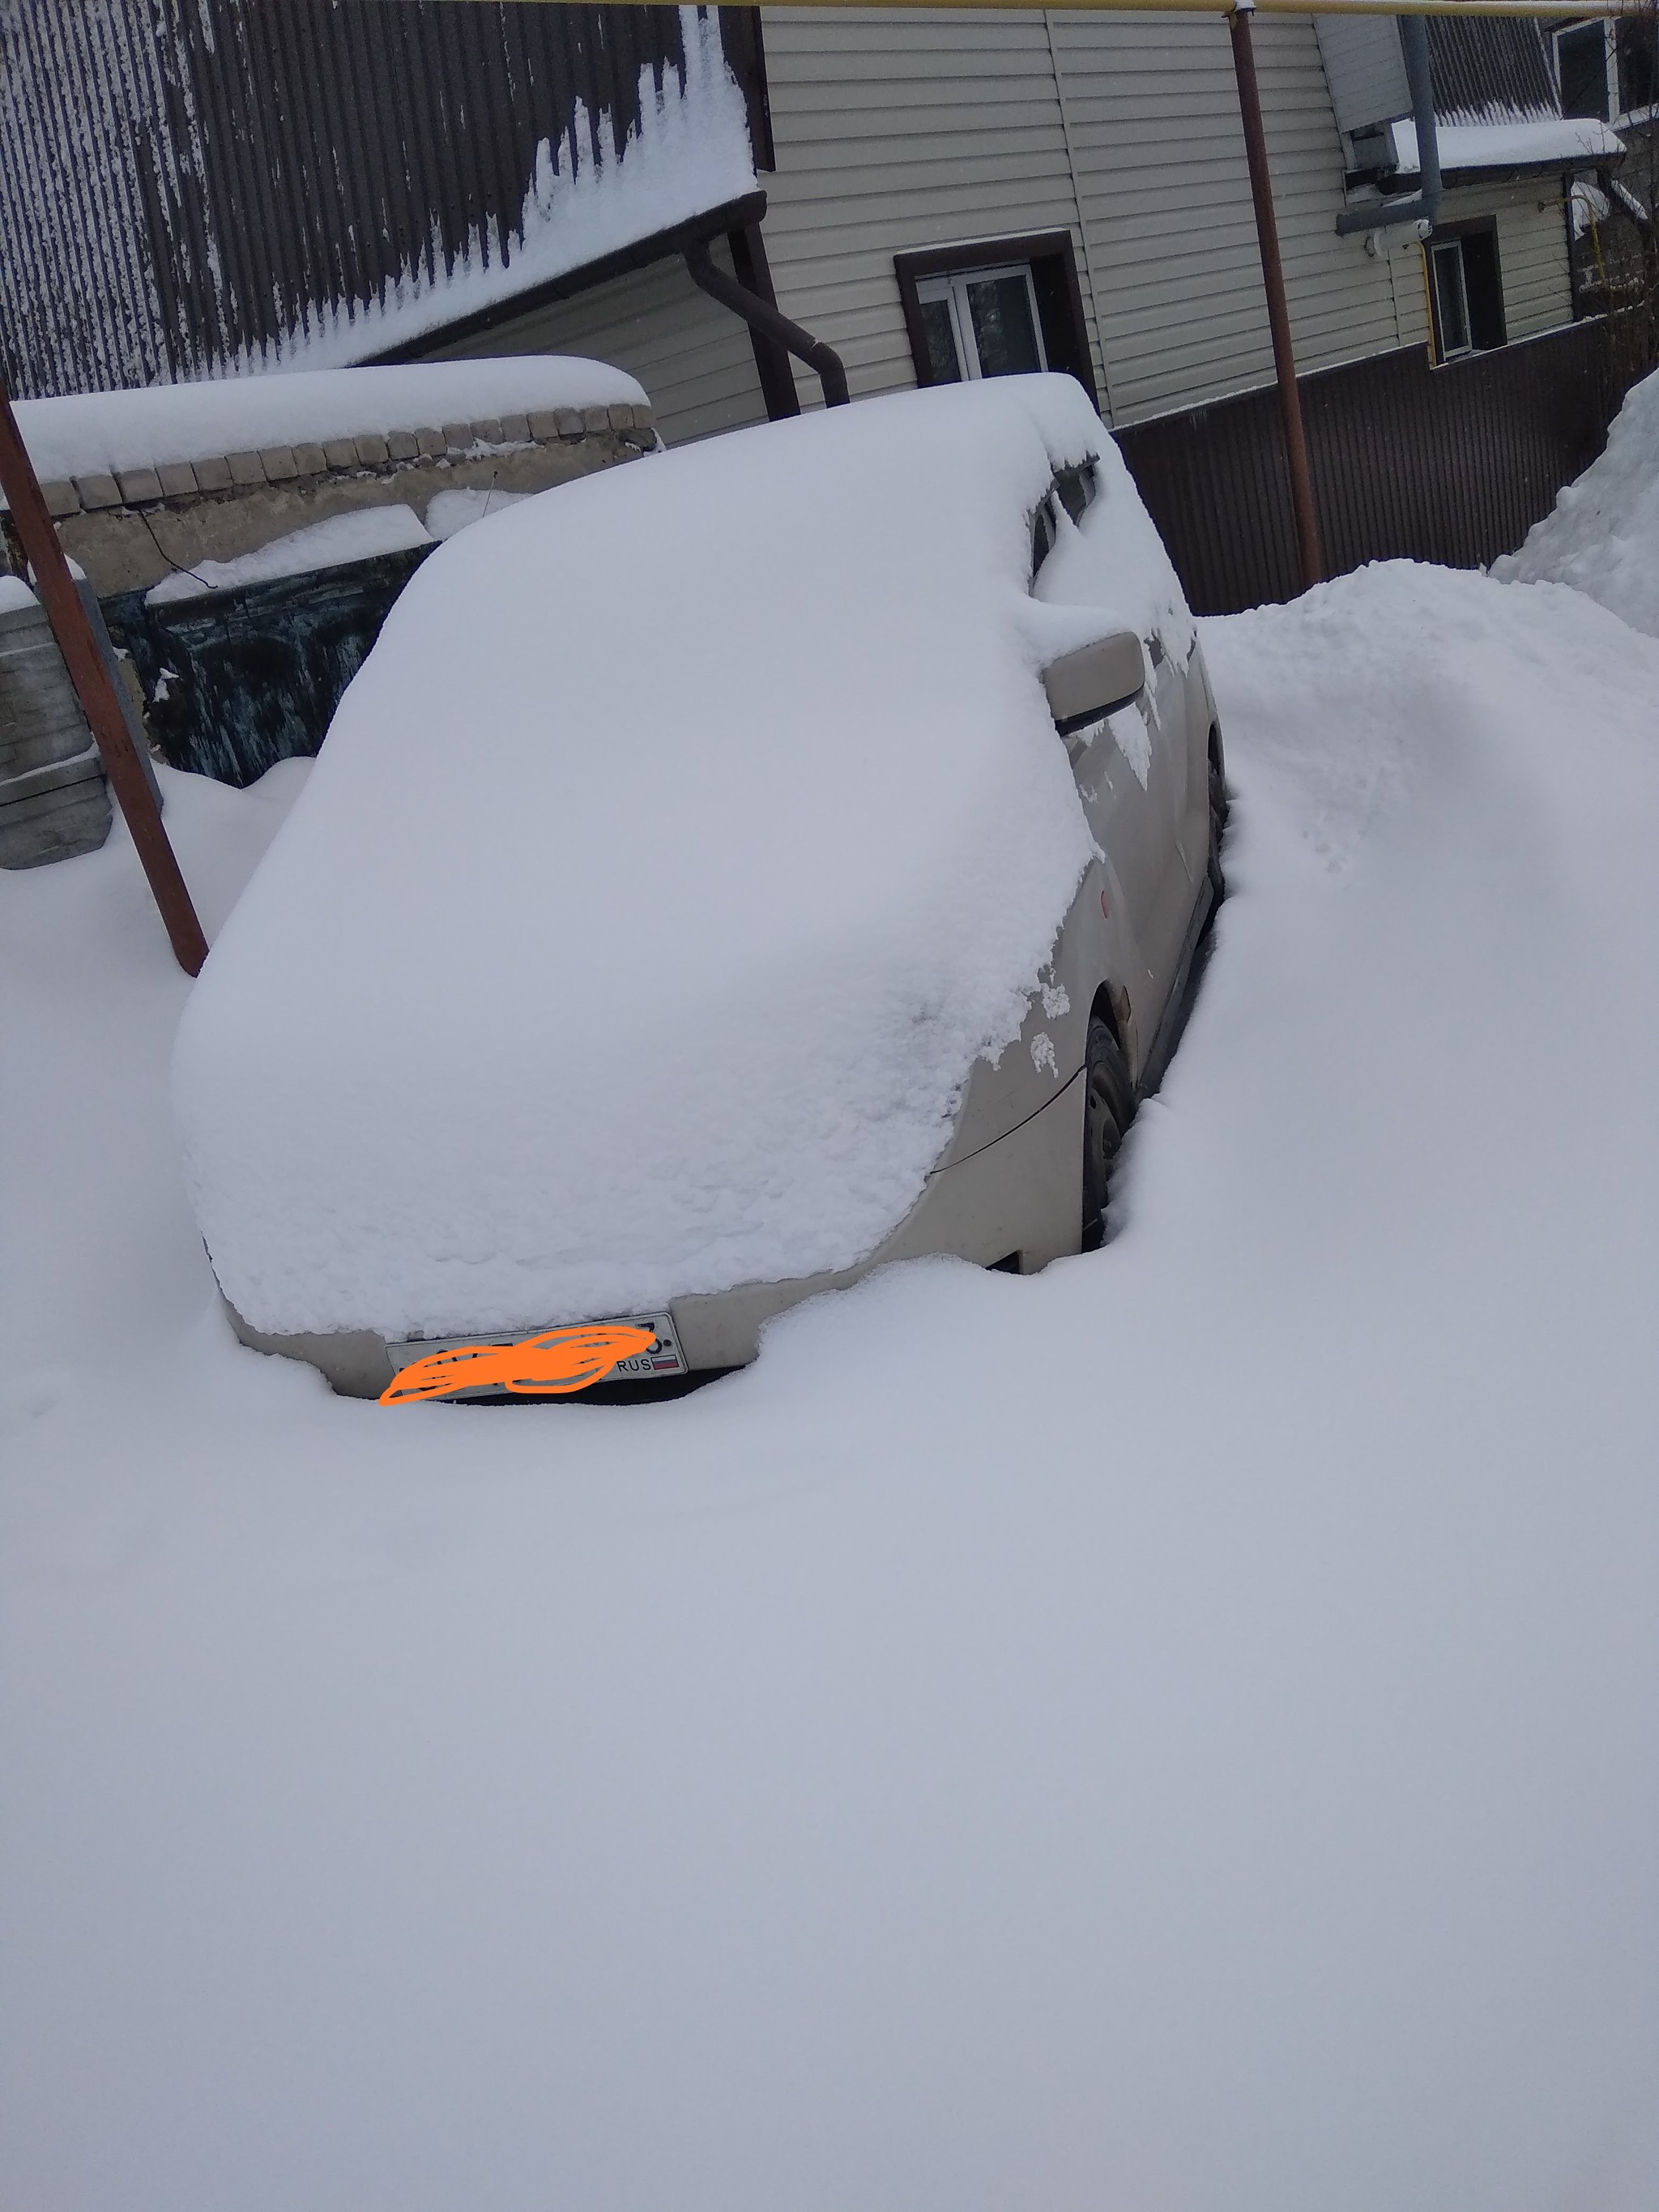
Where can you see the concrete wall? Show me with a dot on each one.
(127, 533)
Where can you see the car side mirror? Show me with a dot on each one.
(1095, 680)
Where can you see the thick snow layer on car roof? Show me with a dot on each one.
(85, 432)
(1602, 534)
(689, 831)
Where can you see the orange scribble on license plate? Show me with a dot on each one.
(562, 1360)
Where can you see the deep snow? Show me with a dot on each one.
(1602, 534)
(1176, 1732)
(781, 874)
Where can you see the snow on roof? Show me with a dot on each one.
(1603, 535)
(89, 432)
(1522, 142)
(689, 154)
(687, 835)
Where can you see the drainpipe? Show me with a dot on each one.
(760, 316)
(1425, 204)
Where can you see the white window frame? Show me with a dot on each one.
(1618, 119)
(951, 287)
(1451, 246)
(1621, 119)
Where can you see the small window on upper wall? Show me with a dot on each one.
(1581, 71)
(1002, 308)
(1636, 56)
(1610, 70)
(982, 322)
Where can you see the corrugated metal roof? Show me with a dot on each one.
(186, 185)
(1487, 70)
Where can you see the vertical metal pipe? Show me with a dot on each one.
(1414, 52)
(1272, 278)
(96, 693)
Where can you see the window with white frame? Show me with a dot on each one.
(982, 322)
(1465, 291)
(1581, 71)
(1635, 41)
(1451, 301)
(1610, 70)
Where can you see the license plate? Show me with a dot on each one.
(664, 1356)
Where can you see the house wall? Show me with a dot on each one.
(1166, 197)
(1533, 258)
(897, 131)
(909, 130)
(658, 326)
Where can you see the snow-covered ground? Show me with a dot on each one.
(1602, 534)
(1176, 1732)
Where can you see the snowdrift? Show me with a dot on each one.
(1177, 1731)
(1603, 535)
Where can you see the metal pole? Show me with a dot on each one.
(96, 693)
(1272, 278)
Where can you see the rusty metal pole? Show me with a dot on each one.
(93, 689)
(1272, 278)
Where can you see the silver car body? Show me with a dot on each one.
(1006, 1189)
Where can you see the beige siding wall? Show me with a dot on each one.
(904, 129)
(1411, 292)
(1166, 200)
(1531, 256)
(895, 131)
(692, 357)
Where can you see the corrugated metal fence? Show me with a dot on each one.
(1452, 465)
(185, 183)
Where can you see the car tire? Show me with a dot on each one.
(1108, 1106)
(1218, 830)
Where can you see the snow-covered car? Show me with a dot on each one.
(725, 875)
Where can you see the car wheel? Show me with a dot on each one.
(1108, 1107)
(1218, 830)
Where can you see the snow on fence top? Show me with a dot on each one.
(106, 431)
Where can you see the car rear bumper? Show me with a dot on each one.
(1019, 1199)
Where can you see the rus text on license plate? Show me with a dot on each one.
(662, 1358)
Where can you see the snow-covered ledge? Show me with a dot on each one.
(143, 483)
